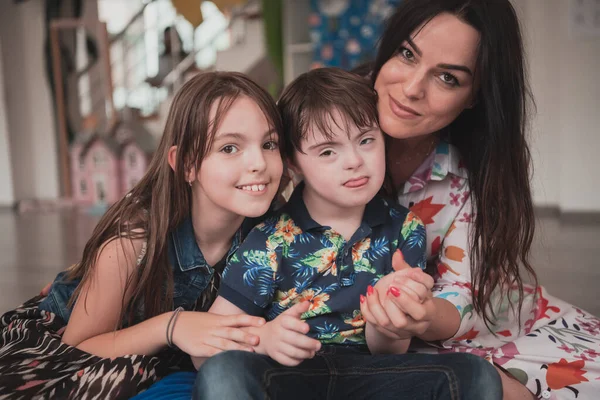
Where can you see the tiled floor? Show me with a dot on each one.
(34, 247)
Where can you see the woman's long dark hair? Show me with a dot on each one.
(490, 138)
(162, 198)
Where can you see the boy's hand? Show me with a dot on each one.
(284, 339)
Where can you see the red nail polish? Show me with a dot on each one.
(369, 290)
(362, 298)
(394, 291)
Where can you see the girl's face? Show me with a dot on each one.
(241, 172)
(430, 80)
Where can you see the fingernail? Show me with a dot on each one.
(394, 291)
(362, 298)
(369, 290)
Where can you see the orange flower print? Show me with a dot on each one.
(472, 334)
(563, 374)
(357, 321)
(542, 308)
(359, 249)
(454, 253)
(443, 268)
(316, 300)
(427, 210)
(287, 230)
(328, 263)
(352, 332)
(284, 298)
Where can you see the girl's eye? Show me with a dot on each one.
(367, 141)
(449, 79)
(406, 53)
(271, 145)
(326, 153)
(229, 149)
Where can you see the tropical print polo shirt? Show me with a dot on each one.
(290, 258)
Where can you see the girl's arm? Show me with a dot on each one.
(95, 315)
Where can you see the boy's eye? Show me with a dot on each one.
(326, 153)
(229, 149)
(271, 145)
(367, 141)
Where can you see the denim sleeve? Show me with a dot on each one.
(249, 279)
(412, 241)
(58, 298)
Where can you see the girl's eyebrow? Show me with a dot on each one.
(240, 136)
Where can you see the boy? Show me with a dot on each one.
(335, 237)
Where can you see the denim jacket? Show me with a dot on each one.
(191, 273)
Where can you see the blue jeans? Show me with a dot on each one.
(342, 372)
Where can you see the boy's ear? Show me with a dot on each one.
(190, 175)
(293, 167)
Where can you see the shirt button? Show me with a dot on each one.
(546, 394)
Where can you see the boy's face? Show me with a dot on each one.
(345, 172)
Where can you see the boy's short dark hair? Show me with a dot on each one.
(312, 97)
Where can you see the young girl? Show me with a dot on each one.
(160, 248)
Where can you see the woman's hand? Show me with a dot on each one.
(401, 304)
(203, 334)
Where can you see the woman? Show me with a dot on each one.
(453, 100)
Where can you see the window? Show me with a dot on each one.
(83, 187)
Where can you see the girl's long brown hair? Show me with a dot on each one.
(162, 198)
(491, 138)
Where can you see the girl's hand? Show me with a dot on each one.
(284, 339)
(46, 289)
(203, 334)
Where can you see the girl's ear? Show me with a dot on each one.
(172, 156)
(190, 175)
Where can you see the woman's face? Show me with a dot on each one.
(430, 80)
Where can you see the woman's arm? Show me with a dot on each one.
(454, 315)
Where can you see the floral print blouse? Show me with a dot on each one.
(553, 349)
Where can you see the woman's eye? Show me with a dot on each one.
(367, 141)
(271, 145)
(406, 53)
(449, 79)
(229, 149)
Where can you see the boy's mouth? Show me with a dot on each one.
(356, 182)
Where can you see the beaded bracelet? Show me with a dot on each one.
(171, 326)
